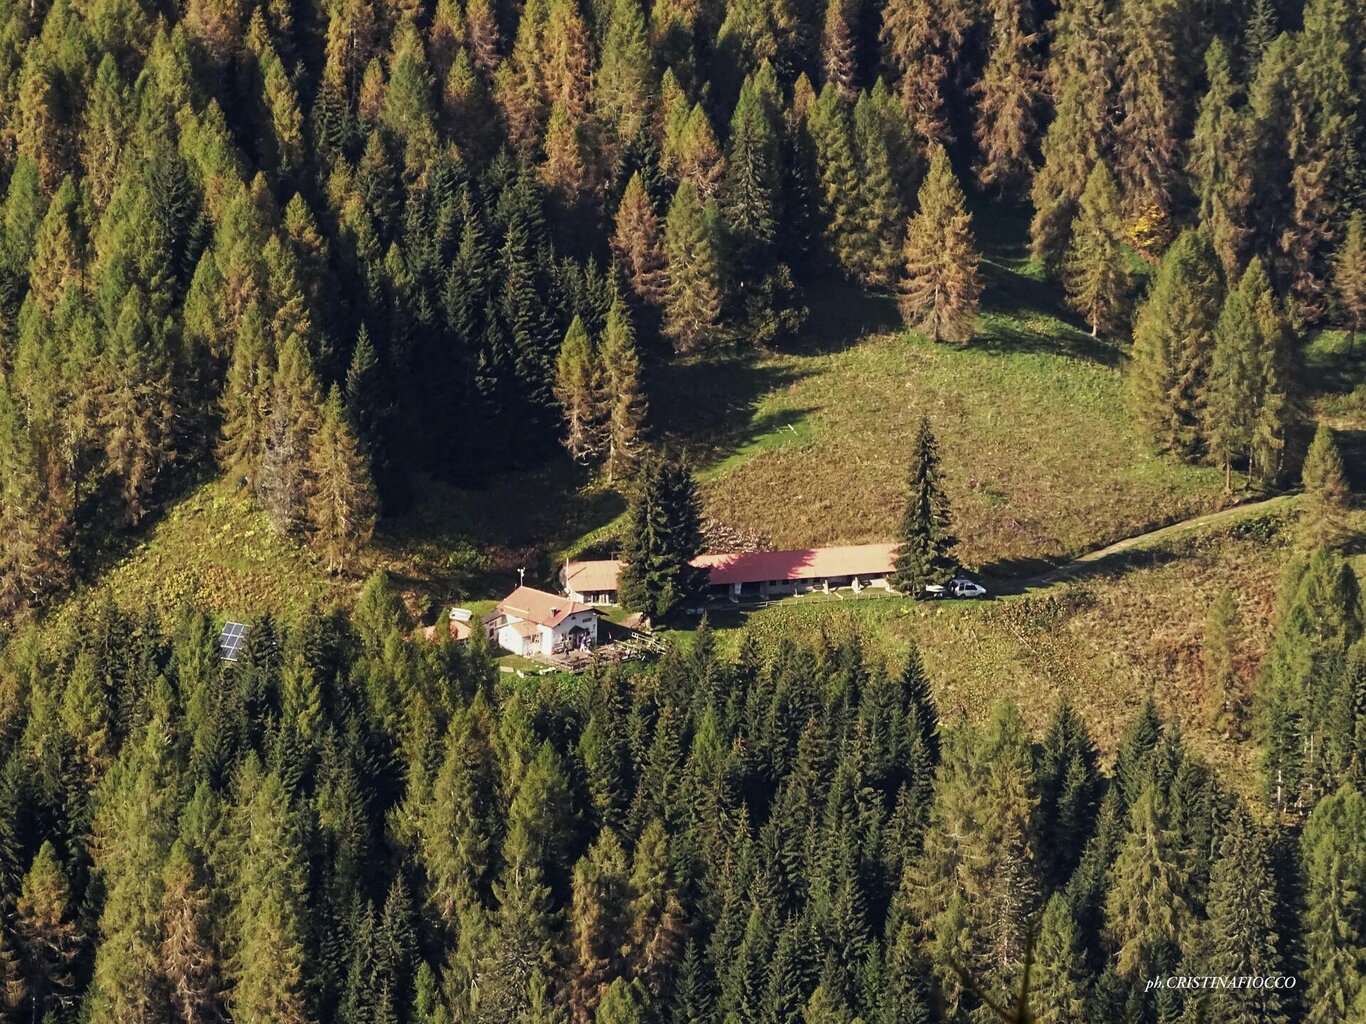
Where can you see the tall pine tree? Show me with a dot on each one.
(941, 288)
(664, 535)
(923, 556)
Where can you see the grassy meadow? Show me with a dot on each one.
(808, 446)
(1104, 638)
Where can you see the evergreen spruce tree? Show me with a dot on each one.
(49, 937)
(941, 288)
(1069, 782)
(569, 171)
(637, 247)
(1252, 405)
(839, 55)
(751, 185)
(1326, 494)
(977, 889)
(843, 230)
(1333, 924)
(921, 42)
(136, 825)
(457, 830)
(1218, 162)
(25, 207)
(246, 402)
(1349, 277)
(1173, 344)
(579, 390)
(285, 481)
(189, 960)
(524, 944)
(598, 920)
(1154, 74)
(1096, 271)
(658, 921)
(104, 134)
(268, 888)
(1234, 384)
(923, 556)
(1262, 28)
(1242, 935)
(692, 315)
(1299, 697)
(623, 1003)
(664, 535)
(369, 410)
(1278, 408)
(1225, 694)
(1008, 96)
(623, 393)
(33, 527)
(1147, 909)
(1059, 993)
(1080, 77)
(341, 503)
(880, 263)
(699, 160)
(626, 79)
(13, 990)
(1322, 134)
(139, 408)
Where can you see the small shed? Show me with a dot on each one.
(460, 624)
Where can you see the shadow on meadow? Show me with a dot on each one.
(1021, 310)
(1020, 576)
(1332, 369)
(706, 404)
(1352, 445)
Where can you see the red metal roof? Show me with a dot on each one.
(537, 606)
(755, 566)
(788, 566)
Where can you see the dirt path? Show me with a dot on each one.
(1093, 559)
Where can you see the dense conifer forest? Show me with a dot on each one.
(348, 826)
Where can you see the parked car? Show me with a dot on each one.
(960, 588)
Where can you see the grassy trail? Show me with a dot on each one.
(1108, 557)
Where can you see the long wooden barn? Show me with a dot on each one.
(752, 575)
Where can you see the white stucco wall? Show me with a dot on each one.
(510, 640)
(586, 620)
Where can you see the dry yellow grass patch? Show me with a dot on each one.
(1040, 460)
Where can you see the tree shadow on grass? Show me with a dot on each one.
(1332, 370)
(706, 404)
(1008, 575)
(472, 541)
(1032, 579)
(1352, 445)
(1021, 313)
(1021, 310)
(842, 315)
(95, 551)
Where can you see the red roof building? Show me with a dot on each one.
(753, 573)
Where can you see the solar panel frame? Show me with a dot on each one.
(231, 639)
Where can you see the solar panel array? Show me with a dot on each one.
(230, 641)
